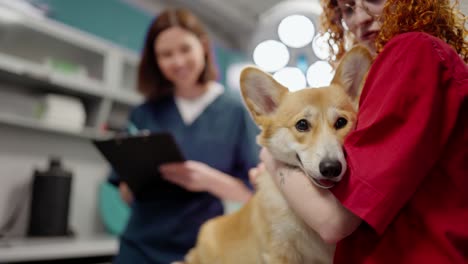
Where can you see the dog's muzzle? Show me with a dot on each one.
(329, 168)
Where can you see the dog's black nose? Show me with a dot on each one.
(330, 168)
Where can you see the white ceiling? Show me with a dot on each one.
(231, 21)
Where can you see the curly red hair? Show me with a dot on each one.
(436, 17)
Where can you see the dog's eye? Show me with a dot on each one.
(340, 123)
(302, 125)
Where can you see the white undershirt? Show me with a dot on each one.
(190, 109)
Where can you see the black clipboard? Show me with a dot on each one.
(136, 158)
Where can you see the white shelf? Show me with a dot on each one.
(67, 33)
(126, 97)
(21, 67)
(67, 61)
(123, 87)
(39, 72)
(18, 121)
(37, 249)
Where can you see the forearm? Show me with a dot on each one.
(227, 187)
(317, 207)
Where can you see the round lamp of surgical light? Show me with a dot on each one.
(271, 55)
(319, 74)
(291, 77)
(320, 46)
(296, 31)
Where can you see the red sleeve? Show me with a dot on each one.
(408, 108)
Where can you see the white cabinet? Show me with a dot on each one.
(40, 57)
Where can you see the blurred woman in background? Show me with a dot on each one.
(177, 77)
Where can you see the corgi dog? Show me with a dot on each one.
(306, 130)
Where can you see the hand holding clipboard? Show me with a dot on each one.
(136, 158)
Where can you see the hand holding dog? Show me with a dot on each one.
(254, 173)
(271, 165)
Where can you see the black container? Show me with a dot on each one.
(50, 201)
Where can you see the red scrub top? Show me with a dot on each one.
(408, 158)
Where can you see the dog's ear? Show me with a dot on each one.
(262, 94)
(352, 70)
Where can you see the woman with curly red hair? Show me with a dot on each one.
(437, 18)
(404, 196)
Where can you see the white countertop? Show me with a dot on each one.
(34, 249)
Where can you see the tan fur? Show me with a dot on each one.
(265, 230)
